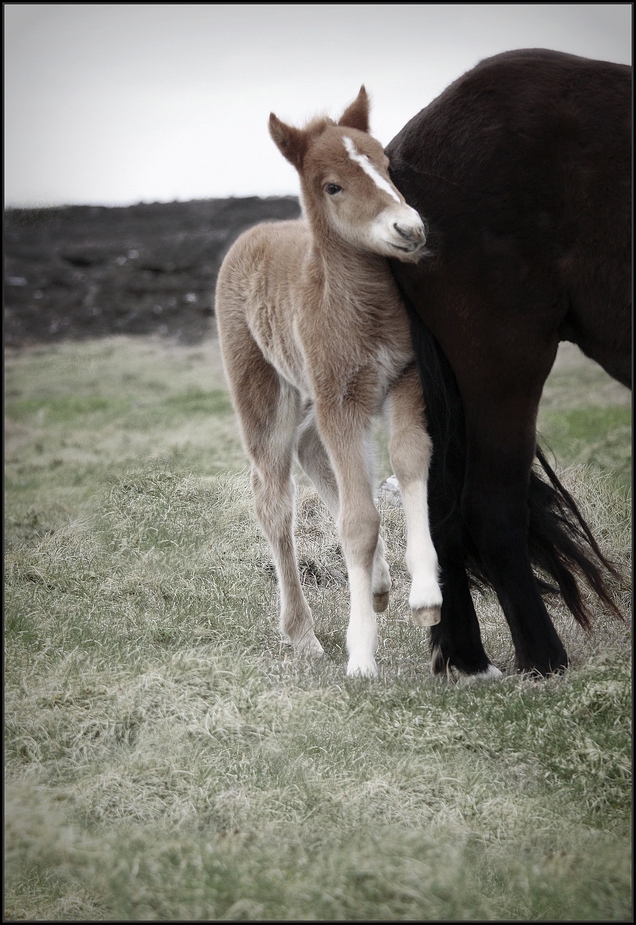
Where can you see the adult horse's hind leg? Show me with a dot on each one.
(456, 639)
(501, 448)
(410, 451)
(314, 459)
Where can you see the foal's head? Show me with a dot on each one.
(345, 183)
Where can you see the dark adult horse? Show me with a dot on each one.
(522, 168)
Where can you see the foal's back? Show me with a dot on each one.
(262, 268)
(260, 299)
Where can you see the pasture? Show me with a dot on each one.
(166, 757)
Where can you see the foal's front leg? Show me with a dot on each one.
(358, 526)
(314, 459)
(410, 451)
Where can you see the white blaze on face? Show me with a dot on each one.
(368, 168)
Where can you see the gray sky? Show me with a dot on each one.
(120, 103)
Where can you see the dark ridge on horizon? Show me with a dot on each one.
(76, 271)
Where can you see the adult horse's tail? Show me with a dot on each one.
(562, 547)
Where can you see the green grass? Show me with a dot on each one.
(166, 757)
(585, 417)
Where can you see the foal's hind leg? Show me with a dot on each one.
(314, 459)
(269, 410)
(410, 450)
(274, 502)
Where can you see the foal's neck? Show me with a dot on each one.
(346, 267)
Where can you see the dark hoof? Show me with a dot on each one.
(550, 659)
(381, 602)
(544, 670)
(468, 666)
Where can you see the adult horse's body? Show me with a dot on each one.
(522, 169)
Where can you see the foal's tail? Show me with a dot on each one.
(561, 544)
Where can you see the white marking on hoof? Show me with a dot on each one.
(362, 668)
(426, 616)
(381, 602)
(425, 592)
(490, 674)
(427, 597)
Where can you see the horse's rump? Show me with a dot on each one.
(522, 168)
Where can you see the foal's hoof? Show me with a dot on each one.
(362, 668)
(426, 616)
(381, 601)
(309, 646)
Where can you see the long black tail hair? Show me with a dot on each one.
(562, 547)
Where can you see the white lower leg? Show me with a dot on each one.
(362, 633)
(425, 598)
(358, 528)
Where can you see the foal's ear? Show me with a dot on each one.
(290, 141)
(357, 114)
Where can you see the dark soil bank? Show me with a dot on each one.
(87, 271)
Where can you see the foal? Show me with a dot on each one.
(315, 341)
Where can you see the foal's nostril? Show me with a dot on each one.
(415, 235)
(403, 232)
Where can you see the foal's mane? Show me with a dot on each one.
(317, 125)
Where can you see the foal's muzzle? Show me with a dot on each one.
(413, 235)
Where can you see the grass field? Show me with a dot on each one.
(166, 757)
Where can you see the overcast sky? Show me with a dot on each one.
(115, 104)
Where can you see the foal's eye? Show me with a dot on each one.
(332, 188)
